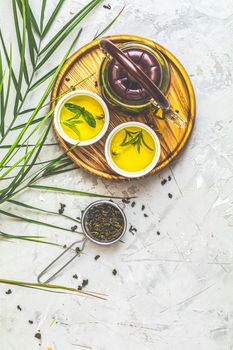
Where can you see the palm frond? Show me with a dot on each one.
(7, 192)
(18, 37)
(27, 33)
(22, 58)
(34, 114)
(35, 239)
(27, 206)
(72, 23)
(103, 31)
(8, 62)
(43, 6)
(54, 47)
(2, 77)
(36, 222)
(20, 126)
(52, 17)
(66, 190)
(53, 287)
(8, 89)
(34, 22)
(29, 145)
(25, 156)
(42, 80)
(31, 39)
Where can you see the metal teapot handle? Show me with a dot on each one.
(136, 72)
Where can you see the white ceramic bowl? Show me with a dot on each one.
(136, 173)
(57, 121)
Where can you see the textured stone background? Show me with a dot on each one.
(174, 290)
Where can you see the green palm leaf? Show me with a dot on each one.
(7, 90)
(28, 145)
(22, 58)
(20, 126)
(99, 34)
(43, 79)
(54, 47)
(36, 222)
(34, 22)
(31, 39)
(27, 206)
(36, 239)
(53, 287)
(66, 190)
(52, 17)
(42, 100)
(8, 62)
(72, 23)
(43, 6)
(18, 36)
(2, 77)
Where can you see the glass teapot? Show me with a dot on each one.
(135, 77)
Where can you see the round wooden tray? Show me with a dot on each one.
(86, 62)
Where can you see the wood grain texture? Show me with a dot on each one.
(86, 62)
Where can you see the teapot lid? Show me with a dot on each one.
(124, 85)
(124, 68)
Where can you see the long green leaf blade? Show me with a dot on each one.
(99, 34)
(51, 286)
(36, 222)
(18, 37)
(8, 85)
(34, 22)
(24, 156)
(42, 80)
(52, 17)
(31, 40)
(25, 111)
(22, 58)
(8, 62)
(29, 145)
(54, 47)
(36, 239)
(27, 206)
(2, 77)
(76, 19)
(43, 6)
(17, 179)
(37, 152)
(20, 126)
(65, 190)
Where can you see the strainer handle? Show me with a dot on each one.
(83, 241)
(136, 72)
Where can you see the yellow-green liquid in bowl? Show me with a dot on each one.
(131, 157)
(85, 131)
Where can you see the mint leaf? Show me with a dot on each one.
(72, 127)
(74, 108)
(89, 118)
(81, 111)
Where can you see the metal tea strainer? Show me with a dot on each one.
(78, 246)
